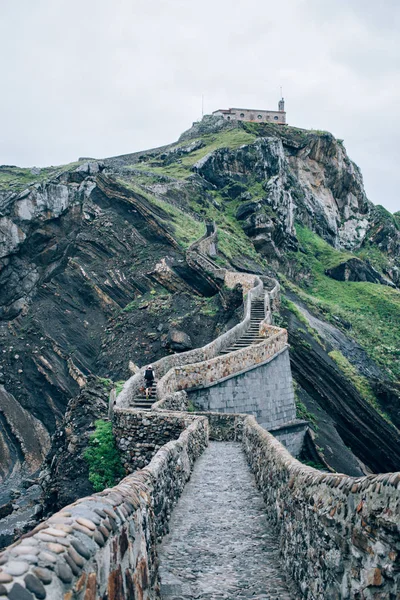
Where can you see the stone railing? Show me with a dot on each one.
(165, 368)
(339, 535)
(223, 427)
(207, 244)
(104, 546)
(217, 369)
(178, 401)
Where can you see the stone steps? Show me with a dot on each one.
(250, 337)
(257, 314)
(144, 403)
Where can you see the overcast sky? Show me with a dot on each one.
(106, 77)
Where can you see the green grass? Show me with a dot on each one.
(302, 412)
(230, 138)
(359, 381)
(103, 457)
(118, 386)
(107, 383)
(375, 256)
(326, 257)
(371, 310)
(210, 307)
(19, 178)
(182, 167)
(302, 318)
(186, 229)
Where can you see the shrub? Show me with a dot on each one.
(103, 458)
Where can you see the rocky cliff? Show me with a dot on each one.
(93, 276)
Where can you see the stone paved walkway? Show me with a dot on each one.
(221, 545)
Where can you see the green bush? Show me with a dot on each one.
(103, 458)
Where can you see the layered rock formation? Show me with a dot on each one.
(93, 272)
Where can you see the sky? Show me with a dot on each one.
(106, 77)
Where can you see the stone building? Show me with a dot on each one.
(254, 115)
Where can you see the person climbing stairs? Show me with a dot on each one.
(144, 402)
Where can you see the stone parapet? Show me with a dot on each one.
(178, 401)
(201, 374)
(140, 434)
(264, 391)
(104, 546)
(339, 535)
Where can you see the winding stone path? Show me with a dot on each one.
(221, 545)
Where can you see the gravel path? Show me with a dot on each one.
(221, 545)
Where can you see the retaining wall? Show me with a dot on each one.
(222, 427)
(291, 435)
(140, 434)
(208, 372)
(339, 535)
(104, 546)
(265, 391)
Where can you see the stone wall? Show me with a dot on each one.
(252, 115)
(253, 288)
(291, 435)
(339, 535)
(225, 427)
(209, 372)
(233, 278)
(140, 434)
(104, 546)
(265, 392)
(222, 427)
(178, 401)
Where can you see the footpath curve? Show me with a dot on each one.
(205, 365)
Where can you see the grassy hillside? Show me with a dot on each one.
(371, 310)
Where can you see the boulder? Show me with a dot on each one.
(247, 209)
(179, 340)
(355, 269)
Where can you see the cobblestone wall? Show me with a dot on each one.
(104, 546)
(208, 372)
(265, 392)
(178, 401)
(339, 535)
(140, 434)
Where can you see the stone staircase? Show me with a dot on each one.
(252, 341)
(143, 403)
(252, 335)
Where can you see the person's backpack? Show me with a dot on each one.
(149, 374)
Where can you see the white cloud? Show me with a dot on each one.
(99, 78)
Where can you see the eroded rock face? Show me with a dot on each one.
(24, 440)
(67, 474)
(74, 253)
(315, 183)
(355, 269)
